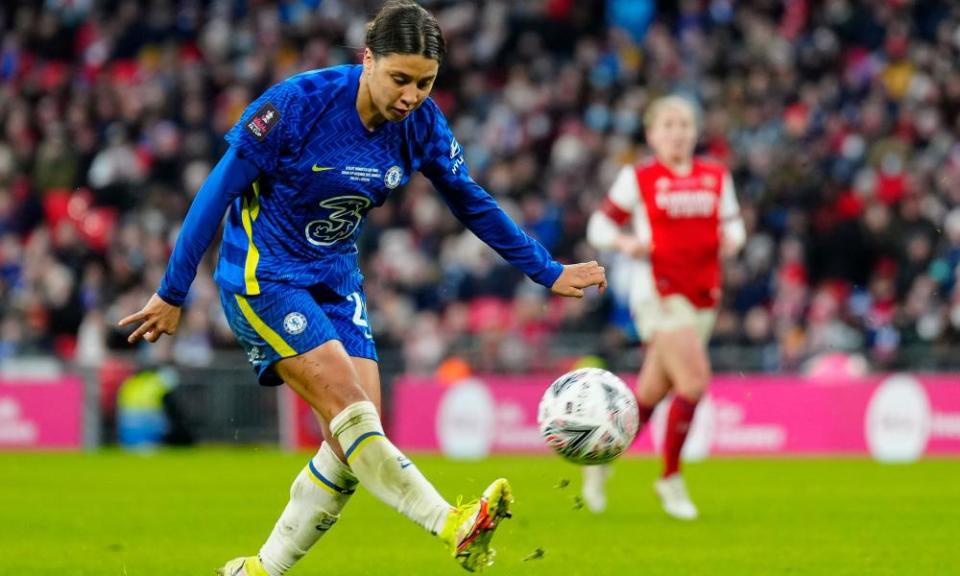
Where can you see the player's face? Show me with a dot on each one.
(399, 83)
(673, 133)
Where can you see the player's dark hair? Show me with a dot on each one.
(404, 27)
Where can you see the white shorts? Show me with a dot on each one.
(672, 313)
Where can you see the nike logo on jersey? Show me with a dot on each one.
(321, 168)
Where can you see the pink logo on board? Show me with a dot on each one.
(41, 414)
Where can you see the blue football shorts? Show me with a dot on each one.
(284, 321)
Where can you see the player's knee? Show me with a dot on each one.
(650, 391)
(700, 370)
(691, 374)
(335, 389)
(326, 379)
(693, 384)
(691, 393)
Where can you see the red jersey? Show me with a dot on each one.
(680, 216)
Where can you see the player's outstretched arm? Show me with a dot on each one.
(445, 166)
(576, 277)
(156, 318)
(161, 315)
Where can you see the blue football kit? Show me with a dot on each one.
(301, 173)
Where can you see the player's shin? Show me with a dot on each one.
(384, 470)
(317, 496)
(644, 413)
(679, 419)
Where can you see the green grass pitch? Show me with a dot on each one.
(186, 512)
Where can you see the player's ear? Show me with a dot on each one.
(367, 61)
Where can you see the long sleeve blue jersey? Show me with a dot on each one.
(302, 173)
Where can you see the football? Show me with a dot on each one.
(588, 416)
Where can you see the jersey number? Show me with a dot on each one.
(345, 214)
(360, 313)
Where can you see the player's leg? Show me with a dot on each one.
(317, 497)
(327, 380)
(319, 493)
(467, 529)
(270, 327)
(686, 363)
(652, 387)
(290, 338)
(369, 372)
(653, 383)
(356, 350)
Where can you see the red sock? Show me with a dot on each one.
(678, 424)
(645, 413)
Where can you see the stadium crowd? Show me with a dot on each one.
(839, 120)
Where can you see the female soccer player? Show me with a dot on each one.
(306, 162)
(684, 216)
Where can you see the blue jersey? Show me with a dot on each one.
(319, 171)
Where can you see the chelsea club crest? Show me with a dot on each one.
(294, 323)
(392, 177)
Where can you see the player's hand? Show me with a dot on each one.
(633, 246)
(576, 277)
(157, 318)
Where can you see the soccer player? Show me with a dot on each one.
(683, 217)
(306, 162)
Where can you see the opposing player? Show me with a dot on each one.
(306, 162)
(683, 216)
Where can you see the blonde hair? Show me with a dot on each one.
(672, 101)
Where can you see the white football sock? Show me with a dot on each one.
(317, 496)
(594, 489)
(384, 470)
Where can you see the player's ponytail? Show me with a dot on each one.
(404, 27)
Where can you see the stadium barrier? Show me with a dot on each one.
(897, 417)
